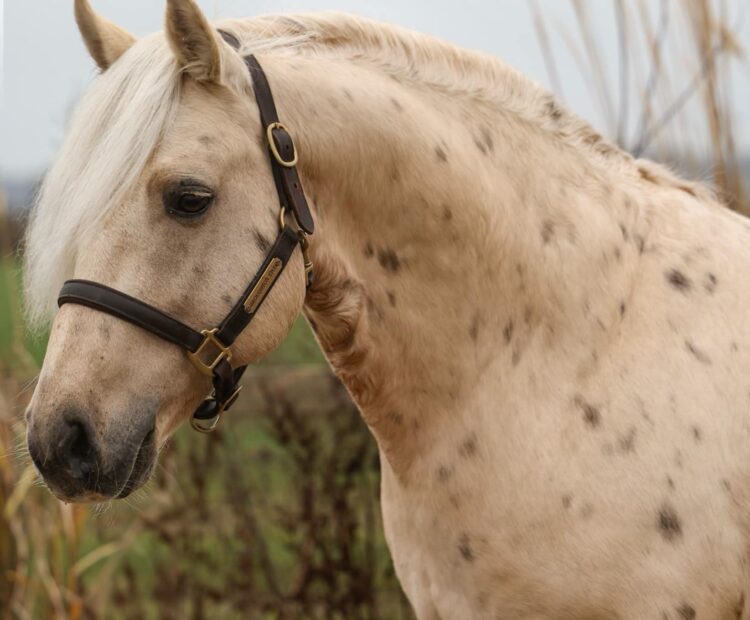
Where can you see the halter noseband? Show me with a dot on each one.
(210, 349)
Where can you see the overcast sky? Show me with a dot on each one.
(45, 67)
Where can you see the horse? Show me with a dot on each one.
(543, 334)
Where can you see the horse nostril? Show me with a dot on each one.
(76, 451)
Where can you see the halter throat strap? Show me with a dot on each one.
(210, 349)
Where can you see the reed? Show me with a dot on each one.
(669, 96)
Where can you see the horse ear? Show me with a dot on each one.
(194, 42)
(105, 41)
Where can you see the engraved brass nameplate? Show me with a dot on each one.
(254, 297)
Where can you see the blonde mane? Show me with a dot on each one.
(111, 136)
(414, 56)
(128, 108)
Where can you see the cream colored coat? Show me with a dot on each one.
(546, 337)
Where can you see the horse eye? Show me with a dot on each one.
(187, 201)
(193, 203)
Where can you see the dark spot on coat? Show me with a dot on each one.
(624, 232)
(444, 473)
(686, 612)
(591, 414)
(697, 433)
(554, 111)
(669, 524)
(697, 353)
(710, 283)
(474, 327)
(262, 242)
(679, 280)
(395, 174)
(508, 331)
(468, 446)
(348, 94)
(480, 145)
(670, 483)
(515, 358)
(464, 548)
(226, 299)
(622, 309)
(639, 243)
(567, 500)
(207, 140)
(369, 251)
(396, 104)
(739, 607)
(441, 154)
(646, 175)
(548, 231)
(391, 298)
(447, 214)
(389, 260)
(486, 138)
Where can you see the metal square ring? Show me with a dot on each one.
(209, 337)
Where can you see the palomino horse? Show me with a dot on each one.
(545, 336)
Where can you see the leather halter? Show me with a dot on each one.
(210, 349)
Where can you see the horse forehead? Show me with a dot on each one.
(213, 109)
(204, 136)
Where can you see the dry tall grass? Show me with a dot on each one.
(669, 97)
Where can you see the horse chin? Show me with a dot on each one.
(143, 467)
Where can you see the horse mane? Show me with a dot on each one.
(127, 109)
(410, 55)
(110, 138)
(414, 56)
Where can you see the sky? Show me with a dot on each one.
(45, 67)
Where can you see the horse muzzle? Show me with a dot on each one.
(80, 465)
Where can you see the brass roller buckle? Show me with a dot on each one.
(274, 149)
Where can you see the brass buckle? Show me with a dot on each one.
(275, 151)
(209, 337)
(212, 423)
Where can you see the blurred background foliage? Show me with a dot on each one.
(277, 514)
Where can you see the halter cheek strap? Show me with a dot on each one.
(210, 349)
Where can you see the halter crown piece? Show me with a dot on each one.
(210, 349)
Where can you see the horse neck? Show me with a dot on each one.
(453, 238)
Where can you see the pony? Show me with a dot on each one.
(544, 335)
